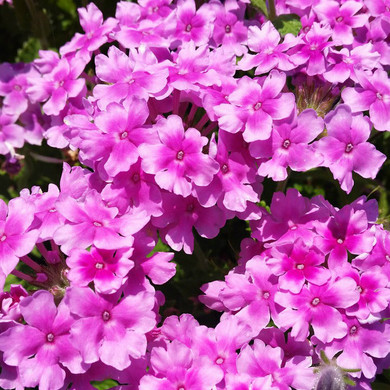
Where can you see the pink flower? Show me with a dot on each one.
(342, 18)
(373, 95)
(42, 359)
(296, 263)
(105, 326)
(16, 240)
(177, 161)
(289, 146)
(345, 148)
(313, 304)
(254, 106)
(175, 368)
(271, 53)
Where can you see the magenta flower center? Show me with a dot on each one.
(97, 224)
(266, 294)
(315, 301)
(188, 28)
(50, 337)
(339, 19)
(135, 178)
(3, 238)
(106, 315)
(257, 106)
(180, 155)
(53, 210)
(286, 143)
(99, 265)
(387, 257)
(359, 288)
(300, 266)
(17, 87)
(155, 9)
(124, 135)
(340, 241)
(190, 208)
(348, 148)
(219, 360)
(224, 168)
(228, 28)
(353, 330)
(379, 96)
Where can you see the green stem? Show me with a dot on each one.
(271, 10)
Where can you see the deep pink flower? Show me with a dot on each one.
(106, 268)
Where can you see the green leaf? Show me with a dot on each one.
(104, 385)
(261, 5)
(289, 23)
(29, 51)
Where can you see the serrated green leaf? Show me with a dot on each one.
(104, 385)
(289, 23)
(261, 5)
(29, 51)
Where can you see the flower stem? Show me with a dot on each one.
(271, 10)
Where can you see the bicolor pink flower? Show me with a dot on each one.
(177, 161)
(373, 95)
(345, 148)
(110, 331)
(255, 105)
(41, 360)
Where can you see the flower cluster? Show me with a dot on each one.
(177, 115)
